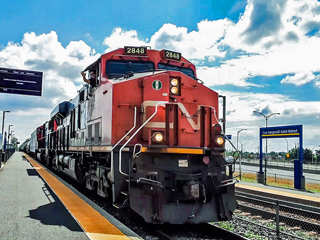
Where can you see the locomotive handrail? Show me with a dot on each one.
(150, 181)
(133, 135)
(218, 121)
(227, 183)
(134, 125)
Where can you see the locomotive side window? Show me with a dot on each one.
(187, 71)
(119, 68)
(81, 96)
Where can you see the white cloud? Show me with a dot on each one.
(193, 45)
(288, 59)
(272, 32)
(285, 50)
(299, 78)
(240, 107)
(120, 38)
(61, 77)
(273, 38)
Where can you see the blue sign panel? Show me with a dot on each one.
(280, 132)
(229, 136)
(23, 82)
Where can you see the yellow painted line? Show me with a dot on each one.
(92, 222)
(309, 198)
(173, 150)
(279, 135)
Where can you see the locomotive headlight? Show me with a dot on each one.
(174, 90)
(157, 137)
(174, 82)
(219, 140)
(175, 86)
(194, 191)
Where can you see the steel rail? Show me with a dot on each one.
(293, 222)
(302, 209)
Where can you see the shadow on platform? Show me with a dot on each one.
(32, 172)
(54, 213)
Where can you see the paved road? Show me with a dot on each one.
(279, 173)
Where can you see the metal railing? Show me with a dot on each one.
(274, 178)
(282, 163)
(5, 155)
(284, 218)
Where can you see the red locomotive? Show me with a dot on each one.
(147, 135)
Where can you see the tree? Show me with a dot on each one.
(294, 154)
(14, 142)
(307, 154)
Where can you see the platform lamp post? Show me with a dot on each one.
(312, 152)
(238, 132)
(287, 150)
(9, 133)
(10, 136)
(266, 117)
(4, 113)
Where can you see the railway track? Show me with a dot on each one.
(149, 231)
(201, 231)
(294, 215)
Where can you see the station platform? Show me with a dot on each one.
(287, 194)
(35, 204)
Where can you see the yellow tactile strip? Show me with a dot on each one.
(275, 192)
(92, 222)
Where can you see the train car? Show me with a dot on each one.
(147, 135)
(1, 144)
(23, 146)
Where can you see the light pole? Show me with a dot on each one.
(287, 145)
(10, 136)
(9, 133)
(4, 113)
(238, 150)
(312, 152)
(266, 117)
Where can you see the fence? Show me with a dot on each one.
(284, 220)
(280, 163)
(5, 155)
(286, 174)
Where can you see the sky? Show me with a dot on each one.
(262, 55)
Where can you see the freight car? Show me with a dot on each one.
(23, 146)
(147, 136)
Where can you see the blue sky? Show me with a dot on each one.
(71, 20)
(263, 55)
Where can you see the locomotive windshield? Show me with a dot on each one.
(188, 71)
(119, 68)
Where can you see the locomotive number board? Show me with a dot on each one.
(135, 50)
(171, 55)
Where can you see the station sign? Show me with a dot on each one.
(282, 131)
(285, 132)
(25, 82)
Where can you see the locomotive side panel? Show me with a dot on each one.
(126, 96)
(99, 115)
